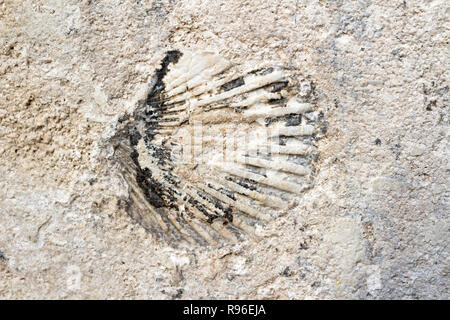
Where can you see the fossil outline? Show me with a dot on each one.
(210, 190)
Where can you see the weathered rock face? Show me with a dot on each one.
(212, 153)
(373, 225)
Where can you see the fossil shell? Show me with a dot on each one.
(214, 152)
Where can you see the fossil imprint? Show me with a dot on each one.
(214, 153)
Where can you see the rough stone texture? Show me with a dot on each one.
(375, 226)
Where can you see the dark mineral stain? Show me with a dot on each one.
(135, 136)
(178, 294)
(246, 183)
(144, 124)
(122, 204)
(171, 57)
(397, 150)
(336, 103)
(152, 190)
(226, 211)
(290, 120)
(202, 209)
(229, 277)
(262, 71)
(228, 214)
(430, 105)
(277, 86)
(2, 257)
(233, 84)
(287, 272)
(280, 101)
(294, 120)
(156, 193)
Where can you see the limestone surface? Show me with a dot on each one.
(375, 225)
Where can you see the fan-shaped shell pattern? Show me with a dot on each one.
(215, 152)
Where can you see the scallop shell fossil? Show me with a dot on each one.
(213, 153)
